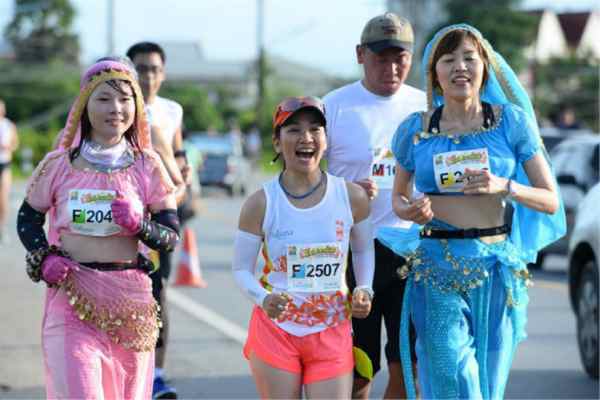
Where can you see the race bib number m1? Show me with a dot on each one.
(449, 167)
(383, 168)
(315, 267)
(91, 213)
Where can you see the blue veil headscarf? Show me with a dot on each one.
(531, 230)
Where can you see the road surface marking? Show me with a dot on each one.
(562, 287)
(206, 315)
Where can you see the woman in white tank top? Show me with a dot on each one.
(8, 144)
(299, 335)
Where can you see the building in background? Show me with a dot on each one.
(186, 63)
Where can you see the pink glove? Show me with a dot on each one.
(125, 214)
(56, 268)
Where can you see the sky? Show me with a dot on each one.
(319, 33)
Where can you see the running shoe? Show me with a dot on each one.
(161, 390)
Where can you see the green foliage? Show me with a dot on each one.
(40, 143)
(36, 90)
(40, 31)
(568, 81)
(200, 113)
(506, 28)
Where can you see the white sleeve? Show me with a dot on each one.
(363, 253)
(245, 252)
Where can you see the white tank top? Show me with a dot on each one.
(305, 254)
(167, 114)
(5, 139)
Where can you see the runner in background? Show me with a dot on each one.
(299, 335)
(361, 120)
(9, 141)
(165, 117)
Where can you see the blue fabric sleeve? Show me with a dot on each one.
(403, 144)
(522, 133)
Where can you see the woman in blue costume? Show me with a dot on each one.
(476, 150)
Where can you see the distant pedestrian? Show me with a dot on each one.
(566, 118)
(9, 141)
(106, 192)
(305, 219)
(253, 144)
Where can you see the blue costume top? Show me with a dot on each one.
(507, 141)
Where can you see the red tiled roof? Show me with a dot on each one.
(573, 25)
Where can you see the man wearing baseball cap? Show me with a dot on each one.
(362, 118)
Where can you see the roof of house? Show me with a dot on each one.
(573, 25)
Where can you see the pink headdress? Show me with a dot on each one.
(98, 73)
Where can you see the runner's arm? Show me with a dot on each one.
(361, 238)
(246, 247)
(165, 151)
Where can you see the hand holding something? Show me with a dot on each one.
(361, 303)
(275, 304)
(482, 181)
(125, 214)
(370, 187)
(56, 268)
(419, 210)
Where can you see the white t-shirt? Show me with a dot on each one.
(6, 132)
(360, 127)
(167, 114)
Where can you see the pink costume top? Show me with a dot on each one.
(53, 180)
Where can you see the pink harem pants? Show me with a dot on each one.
(82, 362)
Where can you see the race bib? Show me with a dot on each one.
(315, 267)
(90, 212)
(383, 168)
(449, 167)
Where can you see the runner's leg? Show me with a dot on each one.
(274, 383)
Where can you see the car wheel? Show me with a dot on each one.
(587, 318)
(539, 261)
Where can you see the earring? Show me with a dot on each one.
(275, 159)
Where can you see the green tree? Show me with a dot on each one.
(40, 32)
(569, 81)
(199, 113)
(508, 29)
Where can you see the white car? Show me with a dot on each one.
(584, 259)
(576, 163)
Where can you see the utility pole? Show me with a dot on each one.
(261, 61)
(110, 28)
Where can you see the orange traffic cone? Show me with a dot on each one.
(188, 269)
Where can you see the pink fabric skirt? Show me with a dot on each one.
(85, 362)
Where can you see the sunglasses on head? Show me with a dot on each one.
(293, 104)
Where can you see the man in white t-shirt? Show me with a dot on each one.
(362, 118)
(165, 117)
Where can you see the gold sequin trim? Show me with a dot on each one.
(133, 325)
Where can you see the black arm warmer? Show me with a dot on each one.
(30, 227)
(161, 232)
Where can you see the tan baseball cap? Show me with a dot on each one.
(388, 30)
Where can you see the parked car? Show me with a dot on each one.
(222, 163)
(576, 163)
(584, 259)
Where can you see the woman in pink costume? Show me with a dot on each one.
(105, 191)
